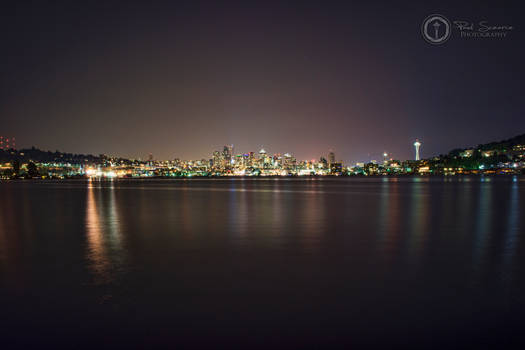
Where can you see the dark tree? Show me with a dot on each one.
(16, 167)
(32, 170)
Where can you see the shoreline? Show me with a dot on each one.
(296, 177)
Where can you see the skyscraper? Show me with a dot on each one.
(217, 159)
(417, 144)
(227, 154)
(232, 158)
(331, 158)
(263, 158)
(288, 161)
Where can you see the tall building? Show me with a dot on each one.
(331, 158)
(246, 159)
(232, 157)
(417, 145)
(262, 156)
(289, 162)
(217, 159)
(227, 155)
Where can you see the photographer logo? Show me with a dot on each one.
(436, 29)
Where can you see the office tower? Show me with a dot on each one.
(331, 158)
(217, 159)
(262, 154)
(227, 155)
(232, 157)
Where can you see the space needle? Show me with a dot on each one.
(417, 144)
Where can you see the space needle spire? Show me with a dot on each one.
(417, 144)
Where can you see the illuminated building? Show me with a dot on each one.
(62, 165)
(336, 168)
(331, 158)
(417, 144)
(7, 143)
(288, 162)
(217, 159)
(227, 156)
(263, 159)
(323, 163)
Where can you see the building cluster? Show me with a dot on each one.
(33, 163)
(491, 159)
(226, 162)
(222, 163)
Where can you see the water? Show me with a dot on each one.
(269, 263)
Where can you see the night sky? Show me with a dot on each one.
(184, 79)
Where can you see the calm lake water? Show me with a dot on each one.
(269, 263)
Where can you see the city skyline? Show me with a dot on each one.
(227, 152)
(504, 157)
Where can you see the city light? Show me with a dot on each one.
(496, 160)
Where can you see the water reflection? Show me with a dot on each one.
(418, 219)
(483, 223)
(464, 217)
(513, 216)
(383, 210)
(511, 237)
(96, 254)
(271, 214)
(239, 214)
(389, 218)
(11, 259)
(105, 253)
(312, 220)
(348, 253)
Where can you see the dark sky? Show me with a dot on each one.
(185, 78)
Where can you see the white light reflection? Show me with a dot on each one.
(105, 254)
(511, 239)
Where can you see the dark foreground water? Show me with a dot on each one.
(268, 263)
